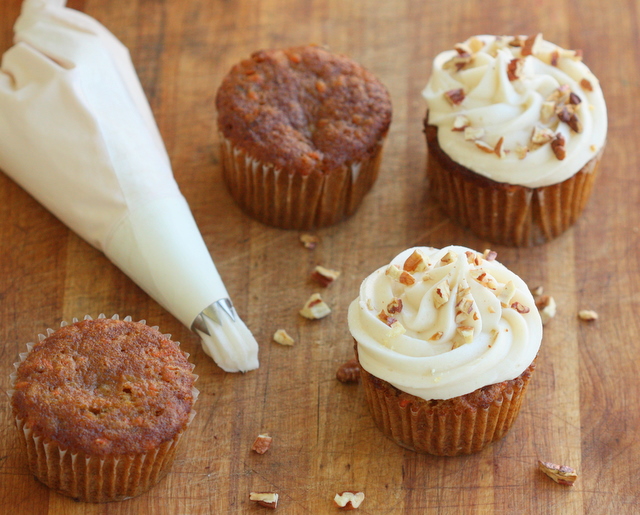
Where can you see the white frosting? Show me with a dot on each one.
(503, 339)
(510, 109)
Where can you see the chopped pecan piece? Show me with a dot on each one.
(588, 314)
(348, 500)
(458, 61)
(555, 57)
(283, 338)
(561, 474)
(485, 147)
(266, 499)
(521, 151)
(441, 293)
(514, 69)
(324, 276)
(547, 308)
(261, 444)
(490, 255)
(499, 148)
(436, 336)
(541, 135)
(349, 372)
(520, 308)
(506, 294)
(530, 46)
(547, 110)
(310, 241)
(460, 123)
(586, 85)
(395, 306)
(557, 145)
(455, 96)
(415, 263)
(387, 318)
(574, 99)
(315, 308)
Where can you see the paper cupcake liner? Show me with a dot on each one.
(95, 478)
(294, 201)
(507, 214)
(444, 428)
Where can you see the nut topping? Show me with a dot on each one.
(499, 148)
(520, 308)
(349, 372)
(485, 147)
(455, 96)
(506, 294)
(261, 444)
(586, 85)
(547, 307)
(310, 241)
(559, 473)
(531, 44)
(401, 276)
(441, 293)
(541, 135)
(283, 338)
(349, 500)
(460, 123)
(266, 499)
(324, 276)
(490, 255)
(588, 314)
(415, 263)
(514, 69)
(557, 145)
(387, 318)
(315, 308)
(395, 306)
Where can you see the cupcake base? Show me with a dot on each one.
(506, 214)
(462, 425)
(91, 478)
(294, 201)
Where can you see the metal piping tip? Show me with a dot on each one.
(215, 312)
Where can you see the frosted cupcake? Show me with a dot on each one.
(515, 129)
(447, 341)
(301, 133)
(101, 405)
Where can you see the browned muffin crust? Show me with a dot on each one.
(303, 109)
(105, 387)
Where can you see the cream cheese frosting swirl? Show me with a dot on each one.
(499, 102)
(442, 323)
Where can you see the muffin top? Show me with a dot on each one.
(105, 387)
(303, 109)
(518, 110)
(442, 323)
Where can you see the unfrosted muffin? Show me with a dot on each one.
(446, 340)
(100, 406)
(301, 133)
(515, 129)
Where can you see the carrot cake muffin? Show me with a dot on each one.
(101, 405)
(301, 132)
(446, 340)
(515, 128)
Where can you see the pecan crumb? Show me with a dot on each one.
(530, 46)
(348, 500)
(490, 255)
(555, 57)
(514, 69)
(436, 336)
(557, 145)
(473, 133)
(520, 308)
(485, 147)
(283, 338)
(546, 305)
(455, 96)
(460, 123)
(586, 85)
(441, 293)
(499, 148)
(561, 474)
(541, 135)
(310, 241)
(324, 276)
(415, 263)
(395, 306)
(587, 314)
(261, 444)
(349, 372)
(315, 308)
(266, 499)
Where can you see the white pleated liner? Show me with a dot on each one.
(94, 478)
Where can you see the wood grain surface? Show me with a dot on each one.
(583, 407)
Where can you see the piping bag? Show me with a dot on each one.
(77, 133)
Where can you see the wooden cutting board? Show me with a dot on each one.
(582, 408)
